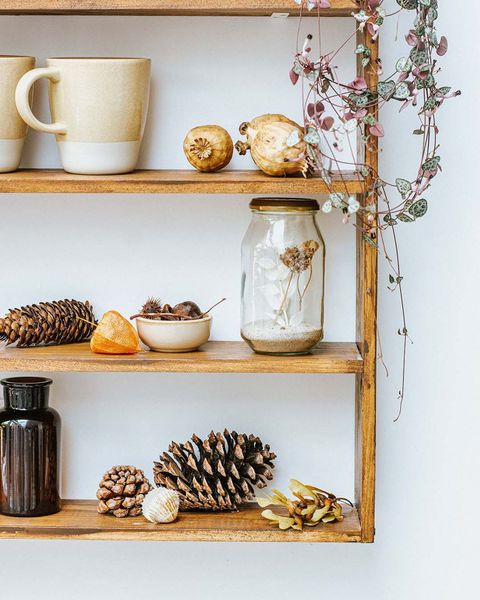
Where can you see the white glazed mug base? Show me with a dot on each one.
(99, 158)
(10, 154)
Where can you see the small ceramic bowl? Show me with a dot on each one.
(174, 336)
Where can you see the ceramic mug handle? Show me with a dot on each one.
(22, 95)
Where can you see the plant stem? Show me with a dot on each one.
(284, 299)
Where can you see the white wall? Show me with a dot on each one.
(115, 250)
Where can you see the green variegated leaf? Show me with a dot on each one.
(420, 30)
(425, 83)
(431, 164)
(405, 218)
(369, 119)
(360, 101)
(403, 65)
(430, 104)
(312, 136)
(408, 4)
(432, 15)
(337, 199)
(297, 68)
(432, 36)
(401, 92)
(403, 186)
(293, 138)
(425, 2)
(443, 91)
(389, 220)
(419, 57)
(418, 208)
(386, 89)
(365, 61)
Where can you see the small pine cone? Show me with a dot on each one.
(58, 322)
(122, 490)
(218, 473)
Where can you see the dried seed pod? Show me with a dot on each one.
(208, 147)
(251, 128)
(271, 141)
(152, 305)
(187, 309)
(115, 335)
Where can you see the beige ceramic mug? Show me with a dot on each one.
(99, 108)
(13, 129)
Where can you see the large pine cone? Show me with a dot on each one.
(219, 473)
(58, 322)
(122, 490)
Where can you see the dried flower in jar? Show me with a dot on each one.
(299, 258)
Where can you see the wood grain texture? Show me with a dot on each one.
(214, 357)
(171, 182)
(168, 7)
(365, 388)
(79, 520)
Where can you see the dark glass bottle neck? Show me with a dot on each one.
(26, 393)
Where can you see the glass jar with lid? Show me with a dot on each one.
(283, 276)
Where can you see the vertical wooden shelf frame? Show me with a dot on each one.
(79, 520)
(365, 385)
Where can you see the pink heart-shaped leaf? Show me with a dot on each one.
(442, 47)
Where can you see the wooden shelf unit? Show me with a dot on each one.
(171, 181)
(339, 8)
(78, 519)
(214, 357)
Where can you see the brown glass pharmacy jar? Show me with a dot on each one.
(29, 449)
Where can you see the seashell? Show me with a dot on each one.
(161, 505)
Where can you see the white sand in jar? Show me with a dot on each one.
(263, 336)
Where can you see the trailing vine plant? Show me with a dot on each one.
(334, 111)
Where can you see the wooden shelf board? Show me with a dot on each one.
(169, 7)
(79, 520)
(173, 182)
(214, 357)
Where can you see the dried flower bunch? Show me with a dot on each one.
(334, 110)
(298, 259)
(185, 311)
(310, 507)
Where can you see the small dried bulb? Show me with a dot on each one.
(208, 147)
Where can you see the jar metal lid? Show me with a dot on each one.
(284, 204)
